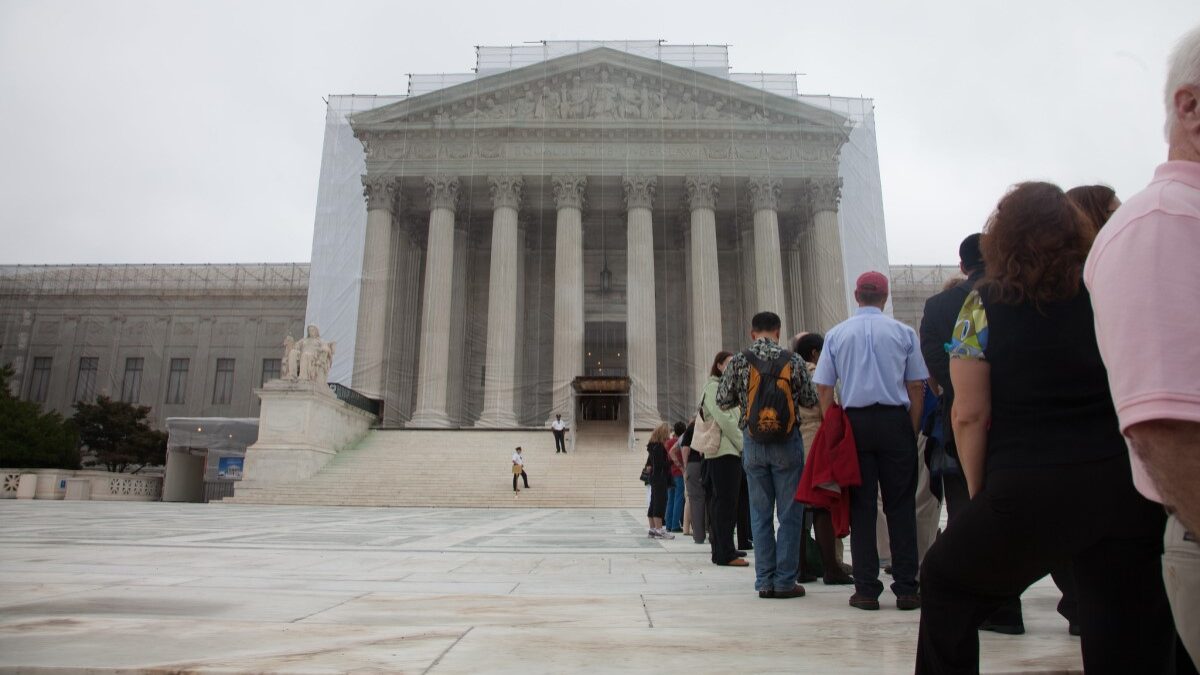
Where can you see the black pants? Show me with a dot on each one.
(560, 441)
(522, 476)
(1025, 523)
(725, 475)
(658, 500)
(887, 460)
(954, 488)
(745, 539)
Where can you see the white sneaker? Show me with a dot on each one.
(663, 534)
(652, 533)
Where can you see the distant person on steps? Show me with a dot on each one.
(518, 463)
(559, 428)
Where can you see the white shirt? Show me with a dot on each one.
(518, 459)
(558, 425)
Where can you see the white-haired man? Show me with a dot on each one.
(1147, 306)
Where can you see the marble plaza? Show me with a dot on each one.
(224, 588)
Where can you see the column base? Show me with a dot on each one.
(430, 419)
(497, 419)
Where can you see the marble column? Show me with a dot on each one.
(433, 367)
(641, 330)
(568, 292)
(701, 194)
(768, 262)
(499, 379)
(794, 275)
(381, 193)
(831, 304)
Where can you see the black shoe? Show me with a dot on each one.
(766, 593)
(806, 578)
(838, 580)
(1004, 628)
(796, 591)
(863, 602)
(741, 554)
(888, 570)
(907, 602)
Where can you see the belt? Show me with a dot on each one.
(878, 406)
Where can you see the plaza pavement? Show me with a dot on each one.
(152, 587)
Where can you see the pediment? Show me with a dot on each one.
(600, 87)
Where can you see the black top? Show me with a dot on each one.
(660, 465)
(1050, 399)
(685, 441)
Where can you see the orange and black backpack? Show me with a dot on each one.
(770, 409)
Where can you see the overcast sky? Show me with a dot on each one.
(165, 131)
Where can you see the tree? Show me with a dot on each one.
(31, 439)
(119, 434)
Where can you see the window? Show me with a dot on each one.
(85, 383)
(271, 368)
(39, 379)
(177, 381)
(223, 384)
(131, 386)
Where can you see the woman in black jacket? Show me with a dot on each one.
(660, 482)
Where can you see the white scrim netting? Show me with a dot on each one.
(618, 115)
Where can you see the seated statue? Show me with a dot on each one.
(308, 359)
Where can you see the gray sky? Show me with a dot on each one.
(191, 131)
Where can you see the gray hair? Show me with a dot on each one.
(1183, 69)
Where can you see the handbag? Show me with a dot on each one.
(706, 438)
(517, 469)
(647, 471)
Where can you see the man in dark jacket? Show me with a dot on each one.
(937, 326)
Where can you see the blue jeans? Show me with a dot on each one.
(674, 517)
(772, 474)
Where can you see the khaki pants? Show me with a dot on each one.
(929, 512)
(1181, 575)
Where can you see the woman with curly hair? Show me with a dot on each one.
(1044, 460)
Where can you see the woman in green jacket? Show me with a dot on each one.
(724, 468)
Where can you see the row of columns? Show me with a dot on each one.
(701, 193)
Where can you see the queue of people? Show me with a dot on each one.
(1063, 433)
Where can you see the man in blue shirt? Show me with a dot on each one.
(878, 362)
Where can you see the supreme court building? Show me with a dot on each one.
(582, 217)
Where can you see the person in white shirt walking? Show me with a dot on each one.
(518, 463)
(559, 428)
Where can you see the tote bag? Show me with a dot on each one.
(706, 438)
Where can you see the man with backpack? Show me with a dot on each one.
(770, 383)
(882, 373)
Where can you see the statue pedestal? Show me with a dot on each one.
(301, 427)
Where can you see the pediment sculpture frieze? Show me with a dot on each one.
(598, 94)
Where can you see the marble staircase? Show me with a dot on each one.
(472, 469)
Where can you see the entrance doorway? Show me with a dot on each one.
(604, 352)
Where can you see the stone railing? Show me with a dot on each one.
(102, 485)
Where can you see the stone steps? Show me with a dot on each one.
(460, 469)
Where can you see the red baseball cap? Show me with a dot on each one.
(872, 282)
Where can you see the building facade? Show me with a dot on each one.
(186, 340)
(596, 212)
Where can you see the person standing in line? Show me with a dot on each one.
(694, 482)
(675, 496)
(1043, 456)
(937, 327)
(724, 469)
(559, 429)
(660, 482)
(878, 362)
(1098, 202)
(769, 383)
(518, 470)
(808, 346)
(1141, 275)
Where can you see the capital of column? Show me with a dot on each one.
(506, 191)
(824, 193)
(701, 191)
(442, 191)
(569, 190)
(639, 191)
(381, 192)
(764, 193)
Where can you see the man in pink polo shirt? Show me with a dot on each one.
(1142, 276)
